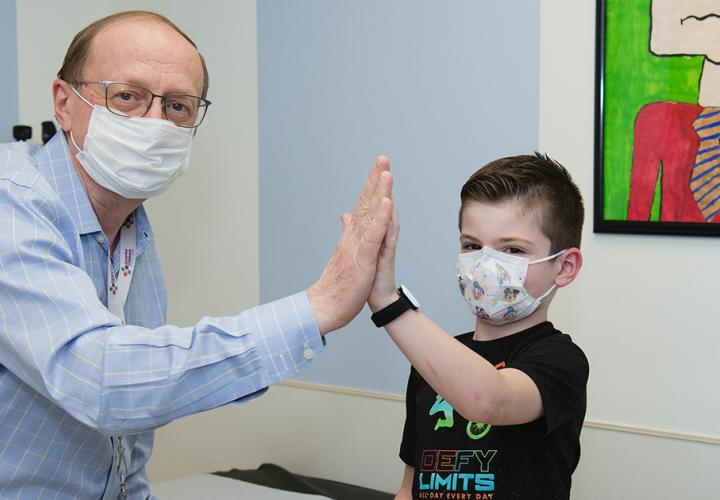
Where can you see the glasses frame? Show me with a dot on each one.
(204, 103)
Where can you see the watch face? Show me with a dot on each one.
(410, 296)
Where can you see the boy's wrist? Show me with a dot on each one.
(404, 302)
(385, 300)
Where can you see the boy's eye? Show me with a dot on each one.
(471, 247)
(513, 250)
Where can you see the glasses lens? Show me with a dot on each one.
(184, 110)
(128, 99)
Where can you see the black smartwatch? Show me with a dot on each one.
(406, 302)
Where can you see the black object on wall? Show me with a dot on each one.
(22, 132)
(48, 131)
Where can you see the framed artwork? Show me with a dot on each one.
(657, 117)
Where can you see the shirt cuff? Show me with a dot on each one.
(289, 337)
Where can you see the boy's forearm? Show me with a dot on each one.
(472, 385)
(467, 381)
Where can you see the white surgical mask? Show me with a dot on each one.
(493, 285)
(137, 158)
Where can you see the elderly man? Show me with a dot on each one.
(88, 366)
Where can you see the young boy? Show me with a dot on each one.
(495, 413)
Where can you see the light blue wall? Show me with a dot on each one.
(8, 70)
(440, 87)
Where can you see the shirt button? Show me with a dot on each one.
(100, 238)
(308, 353)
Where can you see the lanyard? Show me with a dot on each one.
(118, 288)
(119, 283)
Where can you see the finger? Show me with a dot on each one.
(345, 219)
(389, 246)
(391, 233)
(375, 230)
(363, 203)
(384, 280)
(384, 185)
(393, 229)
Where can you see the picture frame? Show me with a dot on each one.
(648, 150)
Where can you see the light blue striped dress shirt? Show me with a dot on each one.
(72, 377)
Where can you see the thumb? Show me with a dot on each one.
(345, 218)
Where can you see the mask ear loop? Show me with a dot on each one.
(72, 138)
(549, 257)
(549, 290)
(81, 97)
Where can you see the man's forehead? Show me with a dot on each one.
(146, 42)
(132, 34)
(120, 27)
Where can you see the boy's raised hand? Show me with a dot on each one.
(384, 289)
(343, 288)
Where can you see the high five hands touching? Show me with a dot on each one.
(348, 278)
(384, 290)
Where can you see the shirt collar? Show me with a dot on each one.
(54, 162)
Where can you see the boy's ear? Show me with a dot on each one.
(571, 262)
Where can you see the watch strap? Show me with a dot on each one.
(394, 310)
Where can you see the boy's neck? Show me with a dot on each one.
(485, 331)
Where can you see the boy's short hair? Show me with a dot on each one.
(538, 183)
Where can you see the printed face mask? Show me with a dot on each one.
(137, 158)
(493, 285)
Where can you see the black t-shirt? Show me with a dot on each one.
(457, 459)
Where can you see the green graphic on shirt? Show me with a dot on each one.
(443, 406)
(474, 430)
(477, 430)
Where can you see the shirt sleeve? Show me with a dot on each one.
(407, 446)
(560, 371)
(57, 337)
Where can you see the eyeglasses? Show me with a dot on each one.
(128, 99)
